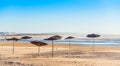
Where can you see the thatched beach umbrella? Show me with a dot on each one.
(69, 38)
(52, 38)
(39, 44)
(25, 38)
(13, 39)
(93, 36)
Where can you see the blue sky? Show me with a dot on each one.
(77, 16)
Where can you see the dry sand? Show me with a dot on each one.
(26, 55)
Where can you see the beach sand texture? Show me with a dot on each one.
(26, 55)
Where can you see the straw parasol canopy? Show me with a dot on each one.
(52, 38)
(93, 36)
(56, 37)
(13, 39)
(26, 37)
(69, 38)
(39, 44)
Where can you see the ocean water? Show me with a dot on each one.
(88, 42)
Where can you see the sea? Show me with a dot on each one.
(85, 42)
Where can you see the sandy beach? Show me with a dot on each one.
(63, 32)
(26, 55)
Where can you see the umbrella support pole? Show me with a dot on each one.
(52, 49)
(26, 45)
(69, 46)
(39, 51)
(13, 48)
(93, 49)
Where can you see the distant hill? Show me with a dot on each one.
(7, 33)
(3, 32)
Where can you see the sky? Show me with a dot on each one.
(76, 16)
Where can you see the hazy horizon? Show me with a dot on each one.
(76, 16)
